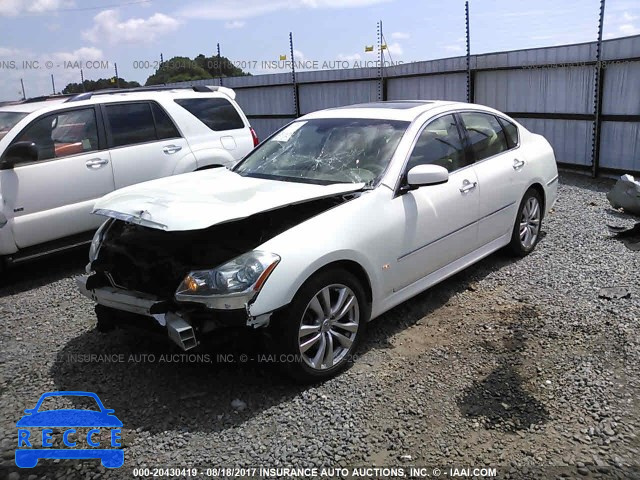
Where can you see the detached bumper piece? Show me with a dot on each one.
(91, 286)
(137, 310)
(186, 325)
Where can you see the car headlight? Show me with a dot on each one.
(230, 285)
(97, 241)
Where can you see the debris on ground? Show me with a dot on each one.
(625, 194)
(629, 236)
(614, 293)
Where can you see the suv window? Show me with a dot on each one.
(164, 125)
(8, 120)
(216, 113)
(131, 123)
(439, 144)
(63, 134)
(485, 134)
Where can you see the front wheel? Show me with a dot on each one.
(526, 231)
(322, 326)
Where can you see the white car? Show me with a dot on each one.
(333, 220)
(58, 156)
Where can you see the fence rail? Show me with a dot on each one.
(549, 90)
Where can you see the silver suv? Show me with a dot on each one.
(58, 156)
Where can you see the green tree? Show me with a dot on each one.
(184, 69)
(219, 66)
(177, 69)
(100, 84)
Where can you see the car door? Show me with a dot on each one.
(499, 166)
(440, 221)
(144, 142)
(52, 197)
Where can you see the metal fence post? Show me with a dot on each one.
(296, 103)
(597, 103)
(469, 79)
(219, 63)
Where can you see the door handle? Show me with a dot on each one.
(467, 186)
(169, 149)
(96, 162)
(518, 164)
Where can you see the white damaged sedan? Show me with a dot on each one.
(333, 220)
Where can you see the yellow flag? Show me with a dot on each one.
(383, 46)
(113, 79)
(283, 57)
(368, 48)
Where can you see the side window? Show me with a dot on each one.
(485, 134)
(164, 125)
(511, 131)
(63, 134)
(439, 144)
(216, 113)
(131, 123)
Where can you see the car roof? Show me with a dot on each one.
(404, 110)
(31, 106)
(116, 96)
(407, 110)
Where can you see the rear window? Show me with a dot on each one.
(216, 113)
(511, 131)
(8, 120)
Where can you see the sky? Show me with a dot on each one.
(44, 37)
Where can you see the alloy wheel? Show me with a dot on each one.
(530, 222)
(329, 326)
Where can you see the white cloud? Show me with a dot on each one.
(400, 35)
(234, 24)
(395, 49)
(620, 25)
(298, 56)
(11, 8)
(107, 27)
(349, 58)
(233, 10)
(8, 51)
(453, 48)
(628, 29)
(81, 54)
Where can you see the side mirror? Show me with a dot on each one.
(19, 152)
(423, 175)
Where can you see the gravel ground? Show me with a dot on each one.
(517, 365)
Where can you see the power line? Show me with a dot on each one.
(82, 9)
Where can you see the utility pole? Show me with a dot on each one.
(53, 84)
(24, 95)
(82, 80)
(115, 65)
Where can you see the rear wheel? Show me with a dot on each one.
(526, 231)
(322, 326)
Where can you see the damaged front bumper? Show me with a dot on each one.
(184, 326)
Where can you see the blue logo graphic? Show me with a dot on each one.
(27, 456)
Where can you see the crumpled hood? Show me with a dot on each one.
(197, 200)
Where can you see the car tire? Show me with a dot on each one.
(331, 334)
(528, 224)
